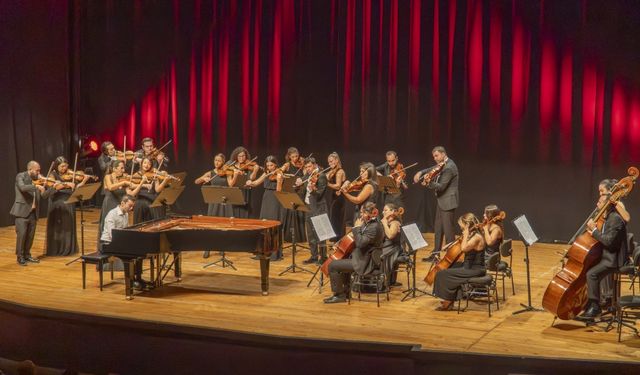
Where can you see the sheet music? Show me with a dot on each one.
(522, 224)
(414, 236)
(322, 226)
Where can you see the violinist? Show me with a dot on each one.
(368, 184)
(494, 232)
(270, 209)
(107, 155)
(314, 186)
(61, 222)
(391, 249)
(447, 282)
(241, 160)
(149, 150)
(116, 184)
(25, 210)
(335, 179)
(391, 165)
(368, 236)
(294, 163)
(294, 221)
(445, 187)
(147, 193)
(613, 236)
(220, 175)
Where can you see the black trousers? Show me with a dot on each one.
(444, 225)
(340, 273)
(594, 275)
(25, 231)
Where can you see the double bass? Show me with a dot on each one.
(566, 294)
(453, 250)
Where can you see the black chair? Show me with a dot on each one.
(482, 286)
(627, 307)
(503, 269)
(98, 259)
(376, 279)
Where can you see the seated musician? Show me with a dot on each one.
(493, 233)
(447, 282)
(613, 236)
(368, 235)
(391, 248)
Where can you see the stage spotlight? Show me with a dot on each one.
(88, 146)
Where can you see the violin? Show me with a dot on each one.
(273, 176)
(79, 176)
(247, 166)
(430, 175)
(225, 171)
(125, 155)
(400, 171)
(45, 181)
(332, 172)
(356, 185)
(159, 175)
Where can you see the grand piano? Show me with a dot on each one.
(194, 233)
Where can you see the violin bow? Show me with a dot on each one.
(298, 171)
(73, 177)
(312, 173)
(404, 169)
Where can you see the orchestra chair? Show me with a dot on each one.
(376, 279)
(404, 263)
(482, 286)
(631, 280)
(502, 269)
(99, 260)
(628, 306)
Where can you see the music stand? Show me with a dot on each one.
(222, 195)
(292, 201)
(529, 238)
(322, 226)
(82, 194)
(288, 184)
(181, 175)
(167, 196)
(387, 185)
(415, 241)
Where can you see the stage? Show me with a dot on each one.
(230, 301)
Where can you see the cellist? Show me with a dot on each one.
(613, 237)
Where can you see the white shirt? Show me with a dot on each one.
(117, 219)
(308, 194)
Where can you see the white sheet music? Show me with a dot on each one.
(522, 224)
(322, 226)
(414, 237)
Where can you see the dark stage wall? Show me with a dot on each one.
(531, 98)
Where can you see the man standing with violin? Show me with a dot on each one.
(314, 187)
(149, 150)
(613, 237)
(25, 209)
(445, 186)
(394, 169)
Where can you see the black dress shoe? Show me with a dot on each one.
(22, 262)
(136, 285)
(335, 299)
(590, 313)
(206, 254)
(396, 284)
(430, 258)
(32, 260)
(310, 261)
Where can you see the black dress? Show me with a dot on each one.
(111, 201)
(390, 251)
(243, 211)
(219, 209)
(271, 209)
(491, 249)
(61, 224)
(372, 198)
(142, 211)
(447, 283)
(336, 210)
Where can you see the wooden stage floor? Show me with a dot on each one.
(227, 299)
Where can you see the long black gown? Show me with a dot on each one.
(390, 251)
(271, 209)
(219, 209)
(61, 224)
(336, 210)
(243, 211)
(142, 211)
(447, 283)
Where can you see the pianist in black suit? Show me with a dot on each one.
(25, 209)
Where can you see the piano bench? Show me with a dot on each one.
(98, 259)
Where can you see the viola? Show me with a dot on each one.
(79, 176)
(431, 174)
(453, 250)
(566, 294)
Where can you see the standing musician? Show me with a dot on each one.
(445, 186)
(29, 189)
(147, 193)
(613, 236)
(61, 217)
(447, 282)
(335, 178)
(241, 160)
(294, 163)
(391, 248)
(271, 209)
(149, 150)
(368, 235)
(493, 233)
(107, 155)
(386, 169)
(367, 185)
(314, 188)
(294, 221)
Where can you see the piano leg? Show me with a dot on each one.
(177, 265)
(128, 278)
(264, 274)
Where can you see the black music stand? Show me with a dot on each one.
(292, 201)
(528, 238)
(387, 185)
(222, 195)
(415, 242)
(322, 226)
(288, 185)
(167, 196)
(181, 176)
(82, 194)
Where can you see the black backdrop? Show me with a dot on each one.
(189, 71)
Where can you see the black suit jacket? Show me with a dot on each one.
(317, 199)
(614, 240)
(445, 186)
(368, 238)
(25, 193)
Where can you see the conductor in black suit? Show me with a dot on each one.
(313, 194)
(25, 209)
(613, 237)
(368, 236)
(445, 186)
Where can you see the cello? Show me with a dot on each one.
(566, 294)
(453, 250)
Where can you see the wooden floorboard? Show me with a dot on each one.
(227, 299)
